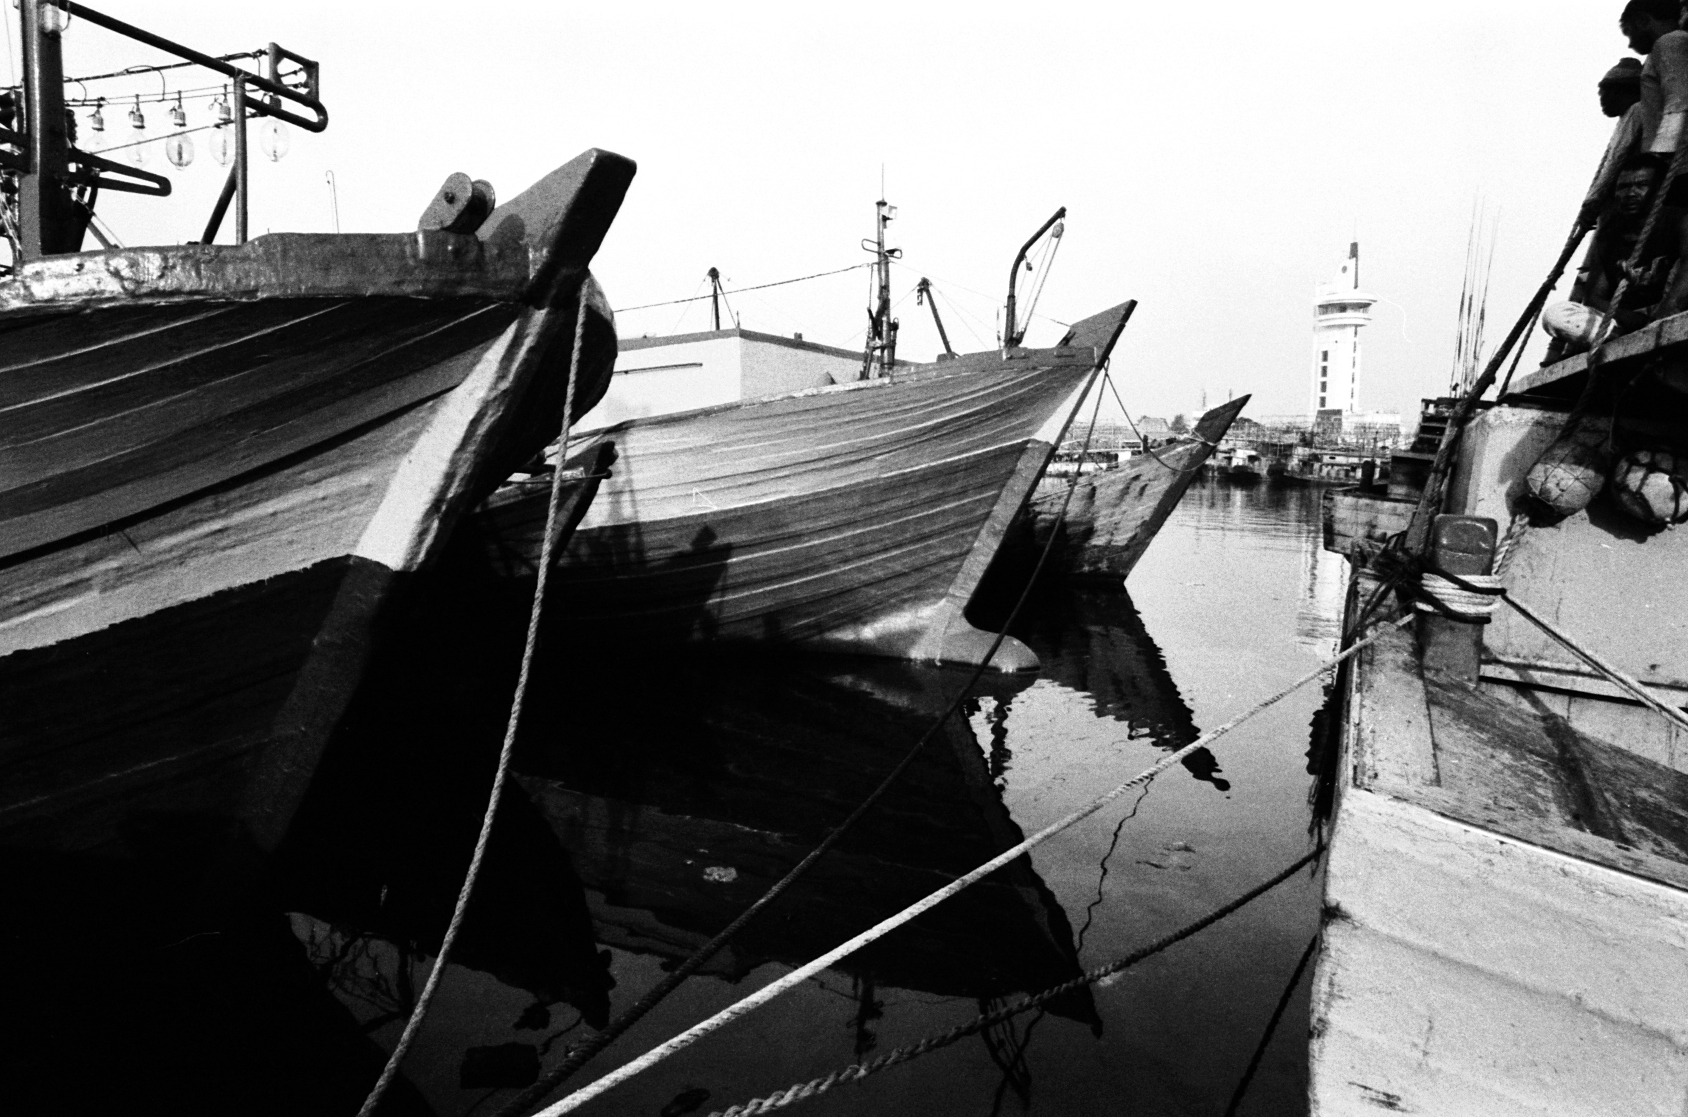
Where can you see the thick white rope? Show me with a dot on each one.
(796, 977)
(1457, 598)
(428, 989)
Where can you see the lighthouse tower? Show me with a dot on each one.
(1340, 308)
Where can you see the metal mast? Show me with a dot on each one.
(880, 354)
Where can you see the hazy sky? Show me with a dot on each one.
(1216, 159)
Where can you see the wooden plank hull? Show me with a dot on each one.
(1114, 514)
(856, 519)
(214, 473)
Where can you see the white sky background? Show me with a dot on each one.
(1216, 159)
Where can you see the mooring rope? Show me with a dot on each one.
(879, 930)
(1641, 692)
(578, 1056)
(420, 1012)
(857, 1072)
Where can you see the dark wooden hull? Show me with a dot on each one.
(1114, 514)
(215, 465)
(856, 519)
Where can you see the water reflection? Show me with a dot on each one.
(657, 797)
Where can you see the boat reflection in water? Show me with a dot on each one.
(654, 800)
(1091, 638)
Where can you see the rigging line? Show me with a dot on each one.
(736, 290)
(1046, 265)
(856, 1073)
(802, 973)
(133, 70)
(675, 328)
(1271, 1026)
(577, 1058)
(933, 291)
(1143, 438)
(420, 1012)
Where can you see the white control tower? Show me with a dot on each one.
(1340, 309)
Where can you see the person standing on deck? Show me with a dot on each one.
(1652, 28)
(1620, 97)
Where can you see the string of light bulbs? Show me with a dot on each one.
(274, 136)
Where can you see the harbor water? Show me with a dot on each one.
(657, 796)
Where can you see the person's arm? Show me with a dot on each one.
(1669, 59)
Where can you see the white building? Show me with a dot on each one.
(660, 375)
(1340, 309)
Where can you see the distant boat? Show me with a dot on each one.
(1114, 513)
(218, 463)
(1242, 467)
(855, 518)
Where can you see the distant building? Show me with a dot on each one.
(1340, 309)
(660, 375)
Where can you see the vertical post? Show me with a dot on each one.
(44, 208)
(715, 297)
(241, 172)
(1462, 545)
(886, 337)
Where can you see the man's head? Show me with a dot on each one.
(1643, 21)
(1621, 87)
(1634, 188)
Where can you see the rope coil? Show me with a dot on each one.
(1474, 598)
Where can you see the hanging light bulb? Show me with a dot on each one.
(96, 127)
(179, 147)
(222, 135)
(137, 153)
(274, 139)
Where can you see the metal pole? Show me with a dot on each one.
(885, 340)
(715, 296)
(1010, 337)
(241, 173)
(43, 197)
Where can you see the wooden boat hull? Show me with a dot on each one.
(1114, 514)
(856, 519)
(216, 473)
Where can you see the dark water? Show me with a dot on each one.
(658, 797)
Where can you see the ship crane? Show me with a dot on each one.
(923, 294)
